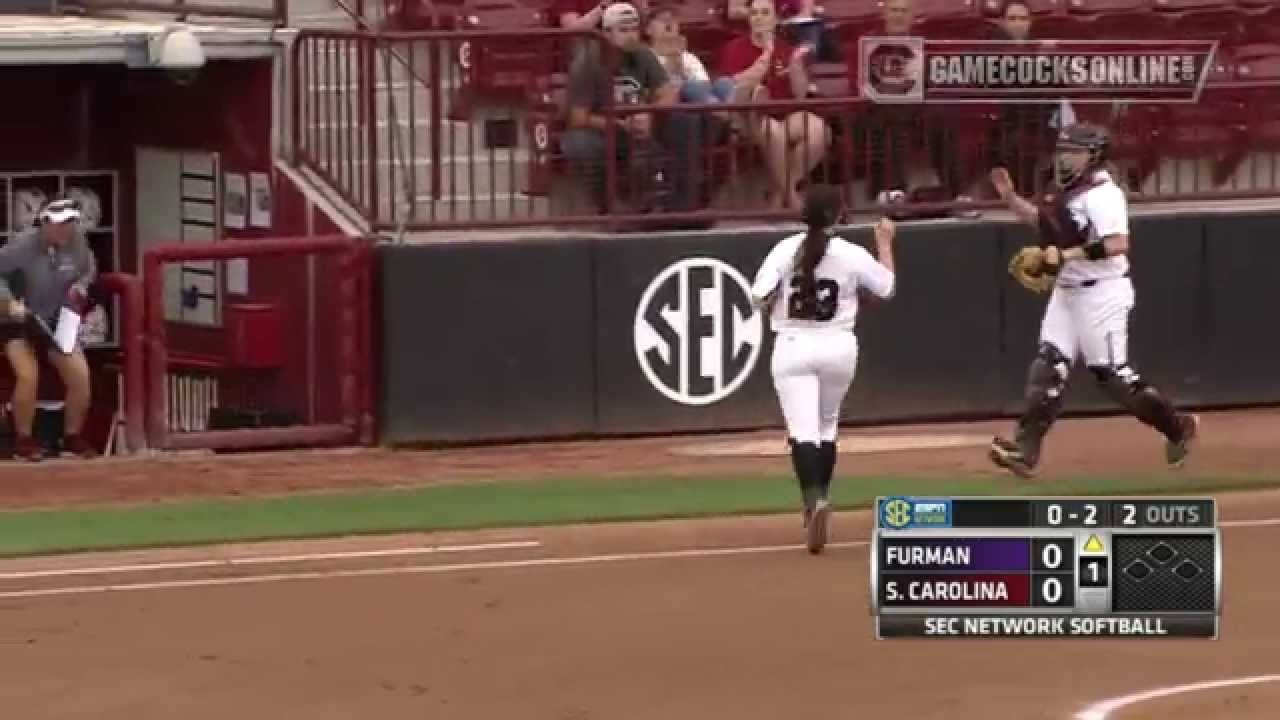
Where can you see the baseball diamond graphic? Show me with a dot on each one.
(1172, 573)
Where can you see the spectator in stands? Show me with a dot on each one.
(56, 267)
(894, 131)
(638, 78)
(583, 14)
(684, 69)
(793, 142)
(888, 127)
(1022, 133)
(801, 23)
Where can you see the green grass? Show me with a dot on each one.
(508, 504)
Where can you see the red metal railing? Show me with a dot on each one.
(132, 347)
(353, 357)
(469, 131)
(274, 11)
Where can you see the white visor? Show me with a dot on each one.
(59, 212)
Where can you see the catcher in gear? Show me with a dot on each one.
(1082, 260)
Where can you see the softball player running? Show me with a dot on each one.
(1084, 235)
(809, 285)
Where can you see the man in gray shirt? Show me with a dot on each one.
(639, 78)
(53, 266)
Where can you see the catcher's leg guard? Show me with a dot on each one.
(1046, 381)
(806, 459)
(1143, 401)
(828, 451)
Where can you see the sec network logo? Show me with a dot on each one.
(895, 513)
(899, 513)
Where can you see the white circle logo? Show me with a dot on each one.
(696, 334)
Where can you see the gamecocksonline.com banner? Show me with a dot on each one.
(916, 70)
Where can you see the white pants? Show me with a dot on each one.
(812, 372)
(1091, 322)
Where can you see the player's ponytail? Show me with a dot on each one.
(822, 205)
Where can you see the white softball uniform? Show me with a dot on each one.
(1088, 312)
(815, 355)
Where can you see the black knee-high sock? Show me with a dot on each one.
(806, 459)
(828, 450)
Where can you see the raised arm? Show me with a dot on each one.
(1026, 212)
(879, 274)
(574, 21)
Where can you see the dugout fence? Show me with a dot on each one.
(282, 363)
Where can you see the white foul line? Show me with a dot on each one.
(1250, 523)
(416, 570)
(268, 560)
(407, 570)
(1102, 710)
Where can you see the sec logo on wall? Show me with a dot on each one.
(696, 335)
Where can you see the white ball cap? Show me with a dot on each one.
(60, 211)
(620, 14)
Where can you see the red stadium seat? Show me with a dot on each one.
(856, 11)
(1184, 5)
(496, 69)
(950, 19)
(1258, 62)
(1119, 19)
(1106, 7)
(1225, 25)
(994, 8)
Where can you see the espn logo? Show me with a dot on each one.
(935, 513)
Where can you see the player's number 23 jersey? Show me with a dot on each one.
(844, 269)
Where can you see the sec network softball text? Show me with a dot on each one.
(1037, 626)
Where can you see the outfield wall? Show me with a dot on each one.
(602, 335)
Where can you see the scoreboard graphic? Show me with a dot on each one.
(1046, 567)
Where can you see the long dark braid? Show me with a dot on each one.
(822, 205)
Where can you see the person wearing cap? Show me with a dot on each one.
(638, 78)
(581, 14)
(55, 267)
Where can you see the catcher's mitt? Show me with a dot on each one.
(1035, 268)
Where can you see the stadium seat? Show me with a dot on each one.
(1119, 19)
(1185, 5)
(948, 19)
(856, 11)
(499, 69)
(994, 8)
(545, 122)
(1106, 7)
(1257, 62)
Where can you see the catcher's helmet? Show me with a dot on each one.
(1073, 139)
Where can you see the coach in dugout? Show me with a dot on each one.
(51, 267)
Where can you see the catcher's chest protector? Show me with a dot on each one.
(1057, 227)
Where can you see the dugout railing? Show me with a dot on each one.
(319, 343)
(467, 129)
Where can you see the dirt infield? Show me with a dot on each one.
(723, 618)
(1234, 444)
(711, 619)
